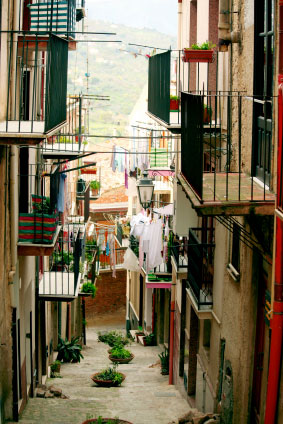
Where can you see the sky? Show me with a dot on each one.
(160, 15)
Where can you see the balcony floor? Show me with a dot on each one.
(25, 132)
(216, 202)
(58, 285)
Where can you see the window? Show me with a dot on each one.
(234, 265)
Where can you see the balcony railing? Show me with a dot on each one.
(219, 161)
(37, 88)
(180, 254)
(71, 140)
(168, 75)
(64, 269)
(105, 260)
(200, 266)
(83, 196)
(56, 16)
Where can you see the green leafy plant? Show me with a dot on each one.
(43, 206)
(94, 185)
(55, 366)
(111, 374)
(207, 45)
(174, 97)
(118, 351)
(62, 258)
(164, 360)
(112, 338)
(101, 420)
(89, 288)
(69, 351)
(150, 339)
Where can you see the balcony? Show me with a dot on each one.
(200, 267)
(169, 75)
(71, 141)
(221, 167)
(56, 16)
(83, 197)
(107, 264)
(180, 257)
(64, 269)
(36, 93)
(38, 229)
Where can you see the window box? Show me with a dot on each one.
(192, 55)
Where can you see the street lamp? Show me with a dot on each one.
(145, 189)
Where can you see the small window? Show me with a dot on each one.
(236, 247)
(234, 265)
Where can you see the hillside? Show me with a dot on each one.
(113, 72)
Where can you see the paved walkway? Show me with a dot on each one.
(144, 397)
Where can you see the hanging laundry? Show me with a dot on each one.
(61, 194)
(120, 158)
(107, 249)
(155, 245)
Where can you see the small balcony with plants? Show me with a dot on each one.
(65, 268)
(200, 268)
(36, 97)
(176, 71)
(226, 159)
(71, 140)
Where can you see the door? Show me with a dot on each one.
(263, 85)
(259, 349)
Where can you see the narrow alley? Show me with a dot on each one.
(143, 398)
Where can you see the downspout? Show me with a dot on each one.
(172, 325)
(180, 26)
(276, 323)
(14, 169)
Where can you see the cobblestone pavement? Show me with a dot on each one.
(144, 397)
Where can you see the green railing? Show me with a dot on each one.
(159, 86)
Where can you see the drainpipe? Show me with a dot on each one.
(180, 26)
(276, 323)
(13, 170)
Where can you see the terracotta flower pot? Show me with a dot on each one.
(191, 55)
(105, 420)
(106, 383)
(121, 360)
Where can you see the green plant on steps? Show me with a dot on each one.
(89, 288)
(150, 339)
(69, 351)
(111, 374)
(118, 351)
(164, 360)
(112, 338)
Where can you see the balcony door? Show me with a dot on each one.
(263, 85)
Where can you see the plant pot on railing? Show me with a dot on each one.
(174, 103)
(199, 53)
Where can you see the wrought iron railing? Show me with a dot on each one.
(220, 160)
(37, 85)
(168, 76)
(200, 266)
(61, 275)
(56, 16)
(83, 196)
(105, 260)
(71, 139)
(180, 254)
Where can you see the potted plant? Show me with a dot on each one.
(174, 103)
(207, 112)
(164, 360)
(199, 52)
(69, 351)
(149, 340)
(94, 185)
(118, 354)
(139, 332)
(89, 288)
(108, 377)
(101, 420)
(61, 260)
(112, 338)
(55, 368)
